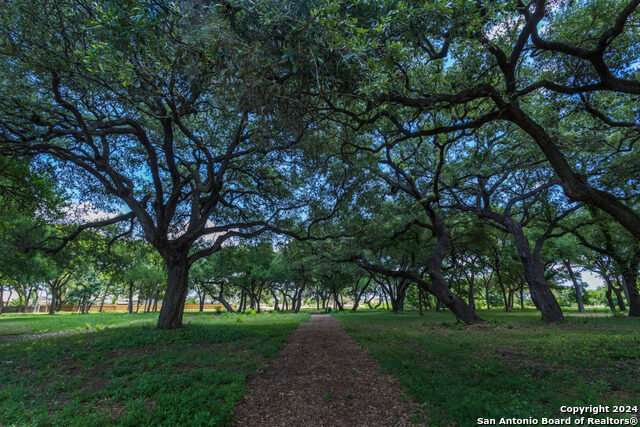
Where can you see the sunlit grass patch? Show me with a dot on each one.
(514, 366)
(138, 375)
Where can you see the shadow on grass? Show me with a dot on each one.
(514, 366)
(138, 374)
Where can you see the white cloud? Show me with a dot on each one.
(83, 212)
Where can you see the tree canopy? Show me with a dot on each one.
(336, 147)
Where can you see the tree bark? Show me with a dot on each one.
(438, 287)
(177, 286)
(226, 304)
(298, 301)
(223, 301)
(336, 300)
(472, 298)
(502, 288)
(574, 185)
(534, 273)
(607, 294)
(486, 295)
(104, 296)
(386, 301)
(130, 307)
(52, 308)
(576, 286)
(629, 279)
(622, 305)
(1, 298)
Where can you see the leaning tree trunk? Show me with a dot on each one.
(337, 301)
(438, 287)
(576, 286)
(356, 300)
(298, 301)
(225, 303)
(633, 297)
(574, 185)
(177, 286)
(104, 296)
(622, 305)
(534, 273)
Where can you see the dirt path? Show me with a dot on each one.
(322, 377)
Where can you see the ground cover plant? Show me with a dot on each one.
(326, 155)
(137, 374)
(514, 366)
(20, 324)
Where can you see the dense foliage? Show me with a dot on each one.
(428, 155)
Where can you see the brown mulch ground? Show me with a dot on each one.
(322, 377)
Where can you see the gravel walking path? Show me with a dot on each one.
(322, 377)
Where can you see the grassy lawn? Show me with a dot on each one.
(513, 367)
(137, 375)
(20, 323)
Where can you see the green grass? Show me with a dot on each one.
(513, 367)
(20, 323)
(138, 375)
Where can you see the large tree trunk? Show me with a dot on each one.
(275, 301)
(534, 273)
(629, 279)
(576, 286)
(622, 305)
(243, 301)
(1, 298)
(177, 285)
(52, 308)
(26, 301)
(472, 298)
(298, 301)
(336, 300)
(463, 311)
(607, 294)
(130, 306)
(226, 304)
